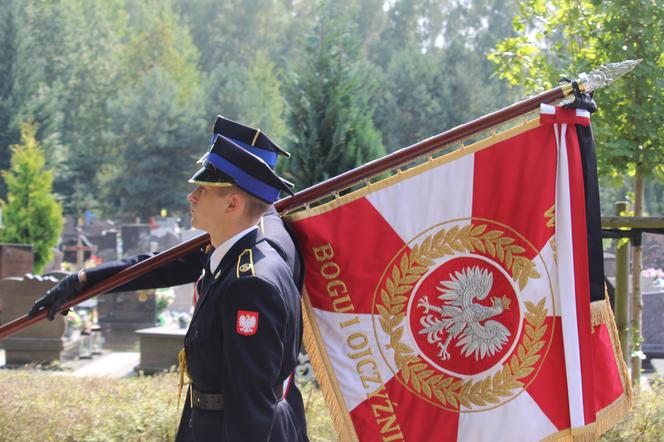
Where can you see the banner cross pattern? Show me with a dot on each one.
(451, 301)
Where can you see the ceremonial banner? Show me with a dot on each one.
(451, 301)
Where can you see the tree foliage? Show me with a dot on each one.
(431, 85)
(123, 92)
(250, 94)
(31, 214)
(330, 117)
(563, 38)
(63, 68)
(156, 118)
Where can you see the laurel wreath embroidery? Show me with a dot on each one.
(550, 216)
(446, 389)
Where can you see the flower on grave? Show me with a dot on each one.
(164, 298)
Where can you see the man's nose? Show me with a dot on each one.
(193, 195)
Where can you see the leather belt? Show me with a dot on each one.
(215, 401)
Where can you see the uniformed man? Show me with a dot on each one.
(260, 344)
(271, 225)
(274, 230)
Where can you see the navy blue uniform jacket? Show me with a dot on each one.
(246, 369)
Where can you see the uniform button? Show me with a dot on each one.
(196, 334)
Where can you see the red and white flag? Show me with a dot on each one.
(450, 301)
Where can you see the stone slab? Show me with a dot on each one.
(113, 365)
(183, 299)
(41, 342)
(15, 260)
(17, 296)
(135, 239)
(21, 350)
(122, 313)
(120, 336)
(653, 324)
(159, 348)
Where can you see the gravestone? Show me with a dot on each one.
(159, 348)
(165, 233)
(55, 264)
(164, 242)
(183, 302)
(41, 342)
(15, 260)
(121, 314)
(107, 244)
(609, 265)
(653, 324)
(135, 239)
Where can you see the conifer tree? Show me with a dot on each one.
(31, 214)
(250, 95)
(157, 125)
(330, 116)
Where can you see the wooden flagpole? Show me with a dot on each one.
(600, 77)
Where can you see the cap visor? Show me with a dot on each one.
(205, 177)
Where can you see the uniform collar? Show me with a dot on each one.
(225, 246)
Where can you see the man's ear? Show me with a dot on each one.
(234, 202)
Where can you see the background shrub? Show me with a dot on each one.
(43, 406)
(47, 406)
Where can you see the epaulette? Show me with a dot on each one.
(207, 249)
(245, 264)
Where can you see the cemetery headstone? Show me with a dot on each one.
(121, 314)
(107, 244)
(159, 348)
(653, 324)
(15, 260)
(41, 342)
(135, 239)
(183, 299)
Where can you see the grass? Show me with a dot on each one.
(36, 406)
(646, 421)
(42, 406)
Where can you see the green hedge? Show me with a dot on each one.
(36, 406)
(646, 421)
(43, 406)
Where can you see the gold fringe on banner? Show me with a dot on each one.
(614, 413)
(601, 313)
(585, 434)
(605, 420)
(320, 362)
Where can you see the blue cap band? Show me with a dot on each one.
(268, 156)
(243, 180)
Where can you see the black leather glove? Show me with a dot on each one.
(57, 296)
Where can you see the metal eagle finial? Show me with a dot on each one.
(605, 75)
